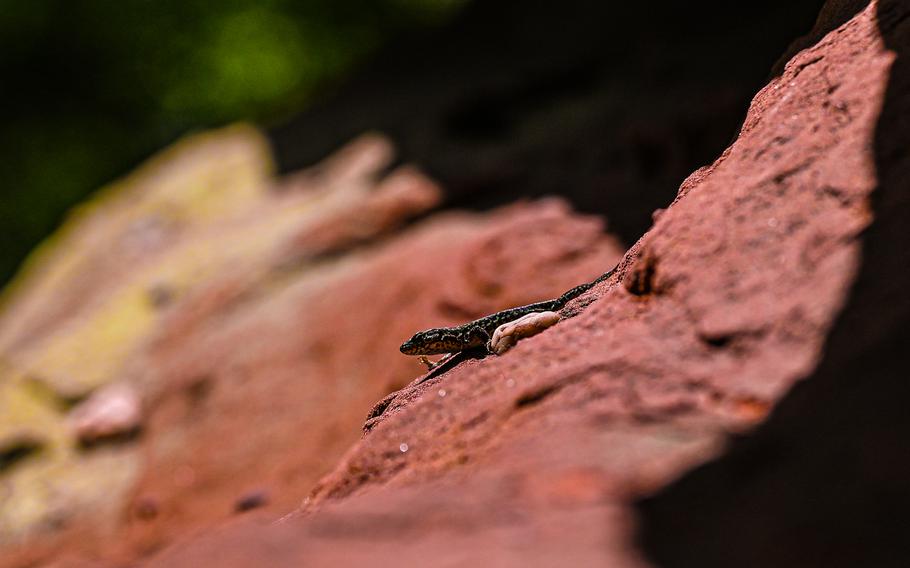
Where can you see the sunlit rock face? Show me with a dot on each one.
(257, 333)
(201, 293)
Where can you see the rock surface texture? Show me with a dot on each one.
(534, 458)
(823, 481)
(252, 339)
(258, 367)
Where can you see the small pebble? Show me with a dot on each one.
(111, 412)
(403, 448)
(442, 393)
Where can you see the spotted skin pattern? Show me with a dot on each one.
(476, 333)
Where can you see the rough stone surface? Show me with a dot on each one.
(823, 481)
(296, 369)
(256, 382)
(714, 315)
(269, 331)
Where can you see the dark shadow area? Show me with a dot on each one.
(610, 104)
(18, 450)
(825, 481)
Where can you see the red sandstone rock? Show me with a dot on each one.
(260, 376)
(532, 458)
(296, 370)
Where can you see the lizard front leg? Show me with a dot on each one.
(431, 365)
(479, 337)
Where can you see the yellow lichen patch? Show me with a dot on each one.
(27, 413)
(43, 494)
(76, 360)
(200, 181)
(32, 436)
(88, 351)
(44, 479)
(150, 245)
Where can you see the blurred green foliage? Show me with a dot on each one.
(90, 88)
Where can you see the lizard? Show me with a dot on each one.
(477, 333)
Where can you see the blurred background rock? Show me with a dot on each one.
(496, 99)
(90, 89)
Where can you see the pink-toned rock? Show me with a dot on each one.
(114, 411)
(532, 458)
(297, 369)
(260, 378)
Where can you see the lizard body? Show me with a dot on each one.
(476, 333)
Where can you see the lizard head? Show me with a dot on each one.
(430, 342)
